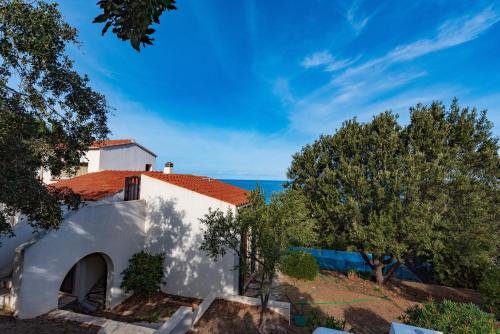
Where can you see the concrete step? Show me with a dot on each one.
(5, 299)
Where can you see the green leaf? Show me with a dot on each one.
(100, 18)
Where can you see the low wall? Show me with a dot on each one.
(185, 319)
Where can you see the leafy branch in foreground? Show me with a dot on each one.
(49, 114)
(132, 19)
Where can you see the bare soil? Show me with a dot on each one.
(159, 307)
(366, 307)
(235, 318)
(43, 325)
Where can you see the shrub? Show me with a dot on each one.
(451, 318)
(300, 265)
(317, 320)
(490, 291)
(144, 274)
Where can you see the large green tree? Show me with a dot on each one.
(49, 114)
(430, 188)
(456, 157)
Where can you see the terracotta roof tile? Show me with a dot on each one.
(206, 186)
(95, 186)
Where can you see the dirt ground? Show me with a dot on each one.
(43, 325)
(159, 307)
(235, 318)
(367, 308)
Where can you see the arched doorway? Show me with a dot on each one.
(86, 285)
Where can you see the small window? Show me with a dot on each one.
(148, 167)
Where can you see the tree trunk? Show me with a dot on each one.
(263, 311)
(265, 293)
(377, 264)
(379, 273)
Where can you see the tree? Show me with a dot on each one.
(428, 189)
(267, 228)
(355, 182)
(457, 155)
(49, 114)
(132, 19)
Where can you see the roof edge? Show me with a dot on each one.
(133, 142)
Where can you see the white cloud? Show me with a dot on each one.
(282, 90)
(358, 22)
(369, 84)
(336, 65)
(317, 59)
(326, 59)
(451, 33)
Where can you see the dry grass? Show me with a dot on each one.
(366, 307)
(235, 318)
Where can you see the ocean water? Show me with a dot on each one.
(268, 186)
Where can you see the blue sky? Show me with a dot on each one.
(231, 89)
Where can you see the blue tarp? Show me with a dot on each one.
(343, 261)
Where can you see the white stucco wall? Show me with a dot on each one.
(23, 232)
(125, 157)
(114, 229)
(172, 226)
(93, 158)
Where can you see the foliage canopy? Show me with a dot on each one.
(144, 274)
(430, 188)
(300, 265)
(451, 318)
(49, 114)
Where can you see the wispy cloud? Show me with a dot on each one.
(357, 21)
(451, 33)
(336, 65)
(327, 60)
(282, 90)
(317, 59)
(363, 88)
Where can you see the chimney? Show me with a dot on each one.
(169, 168)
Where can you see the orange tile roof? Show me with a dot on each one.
(206, 186)
(111, 142)
(95, 186)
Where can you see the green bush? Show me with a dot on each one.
(490, 291)
(451, 318)
(144, 274)
(316, 320)
(300, 265)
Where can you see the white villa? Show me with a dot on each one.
(117, 154)
(129, 208)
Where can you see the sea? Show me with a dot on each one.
(269, 187)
